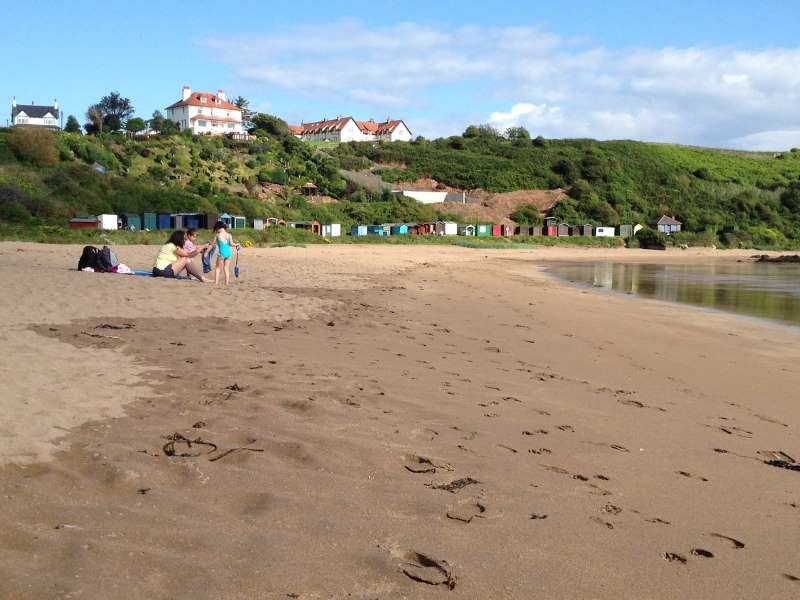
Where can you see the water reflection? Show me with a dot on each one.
(769, 291)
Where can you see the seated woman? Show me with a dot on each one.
(172, 259)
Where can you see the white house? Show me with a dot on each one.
(204, 112)
(34, 115)
(347, 129)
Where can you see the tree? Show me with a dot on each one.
(528, 214)
(72, 125)
(247, 114)
(110, 114)
(135, 125)
(94, 120)
(157, 121)
(271, 125)
(168, 127)
(485, 130)
(517, 133)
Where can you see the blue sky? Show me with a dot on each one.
(682, 71)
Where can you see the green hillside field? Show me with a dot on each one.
(730, 198)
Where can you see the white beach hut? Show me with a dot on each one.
(604, 232)
(107, 222)
(331, 230)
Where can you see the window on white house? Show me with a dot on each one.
(202, 123)
(230, 125)
(202, 98)
(22, 120)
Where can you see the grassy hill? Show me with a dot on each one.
(746, 198)
(721, 196)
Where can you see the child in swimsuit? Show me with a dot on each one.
(225, 243)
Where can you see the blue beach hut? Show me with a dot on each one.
(164, 221)
(358, 230)
(399, 229)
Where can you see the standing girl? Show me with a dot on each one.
(224, 241)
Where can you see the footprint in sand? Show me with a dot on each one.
(425, 569)
(703, 553)
(453, 486)
(423, 464)
(566, 428)
(619, 448)
(791, 577)
(675, 557)
(466, 512)
(600, 521)
(612, 509)
(690, 476)
(736, 543)
(509, 448)
(540, 451)
(538, 516)
(657, 520)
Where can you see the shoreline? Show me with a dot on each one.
(583, 431)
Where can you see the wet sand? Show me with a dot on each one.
(389, 422)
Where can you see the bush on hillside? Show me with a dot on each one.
(527, 214)
(33, 145)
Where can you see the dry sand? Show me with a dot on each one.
(345, 389)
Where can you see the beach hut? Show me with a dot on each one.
(588, 230)
(376, 230)
(84, 223)
(604, 232)
(258, 223)
(163, 221)
(468, 230)
(522, 230)
(270, 221)
(149, 221)
(358, 230)
(506, 230)
(483, 229)
(445, 228)
(400, 229)
(497, 230)
(563, 230)
(625, 231)
(132, 221)
(331, 230)
(177, 221)
(536, 231)
(210, 220)
(550, 227)
(108, 222)
(227, 219)
(575, 230)
(239, 222)
(193, 221)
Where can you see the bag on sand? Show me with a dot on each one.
(89, 258)
(108, 260)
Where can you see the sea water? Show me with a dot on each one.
(763, 290)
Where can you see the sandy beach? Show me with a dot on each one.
(381, 422)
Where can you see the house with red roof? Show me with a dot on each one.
(347, 129)
(206, 113)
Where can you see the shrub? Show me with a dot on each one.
(33, 145)
(651, 239)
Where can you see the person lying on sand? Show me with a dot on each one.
(173, 258)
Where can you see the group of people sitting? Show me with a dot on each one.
(177, 255)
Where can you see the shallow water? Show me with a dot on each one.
(763, 290)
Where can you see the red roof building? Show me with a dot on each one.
(206, 113)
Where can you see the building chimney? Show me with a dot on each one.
(14, 102)
(186, 92)
(55, 104)
(221, 95)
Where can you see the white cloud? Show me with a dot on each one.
(555, 86)
(768, 140)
